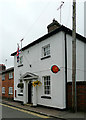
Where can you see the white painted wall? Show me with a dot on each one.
(43, 68)
(79, 59)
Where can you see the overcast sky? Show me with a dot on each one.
(28, 19)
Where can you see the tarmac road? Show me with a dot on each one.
(13, 112)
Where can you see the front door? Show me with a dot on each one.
(29, 92)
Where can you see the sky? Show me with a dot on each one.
(28, 19)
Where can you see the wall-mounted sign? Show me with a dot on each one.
(55, 69)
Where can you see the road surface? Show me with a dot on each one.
(13, 112)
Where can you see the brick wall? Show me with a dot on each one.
(81, 95)
(0, 86)
(8, 83)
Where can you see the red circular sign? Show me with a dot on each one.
(55, 69)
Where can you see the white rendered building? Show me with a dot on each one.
(36, 61)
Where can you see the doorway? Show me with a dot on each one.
(29, 92)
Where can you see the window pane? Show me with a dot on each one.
(10, 90)
(10, 75)
(3, 77)
(3, 89)
(47, 85)
(21, 60)
(46, 50)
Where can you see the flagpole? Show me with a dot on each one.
(21, 43)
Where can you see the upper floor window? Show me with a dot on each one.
(21, 60)
(3, 90)
(47, 85)
(20, 63)
(3, 77)
(10, 75)
(10, 90)
(46, 50)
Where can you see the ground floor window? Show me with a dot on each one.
(10, 90)
(3, 90)
(47, 85)
(21, 90)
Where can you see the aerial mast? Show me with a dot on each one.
(59, 8)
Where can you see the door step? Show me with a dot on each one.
(29, 104)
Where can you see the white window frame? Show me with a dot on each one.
(3, 90)
(10, 75)
(20, 91)
(20, 60)
(10, 90)
(46, 50)
(3, 77)
(47, 85)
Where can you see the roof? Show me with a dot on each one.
(62, 28)
(8, 70)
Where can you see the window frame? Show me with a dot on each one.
(3, 77)
(10, 90)
(3, 91)
(10, 75)
(20, 60)
(46, 53)
(20, 63)
(20, 92)
(47, 87)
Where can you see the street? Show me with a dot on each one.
(13, 112)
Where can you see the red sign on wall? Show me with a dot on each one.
(55, 69)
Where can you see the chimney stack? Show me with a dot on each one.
(54, 25)
(2, 68)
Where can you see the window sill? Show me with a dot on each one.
(20, 94)
(10, 78)
(20, 65)
(10, 93)
(45, 57)
(46, 97)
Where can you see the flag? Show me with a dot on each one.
(18, 51)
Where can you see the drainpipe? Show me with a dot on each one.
(66, 69)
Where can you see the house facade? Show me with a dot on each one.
(2, 68)
(8, 83)
(48, 60)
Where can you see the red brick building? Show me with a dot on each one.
(8, 83)
(2, 68)
(0, 85)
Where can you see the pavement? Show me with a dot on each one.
(51, 112)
